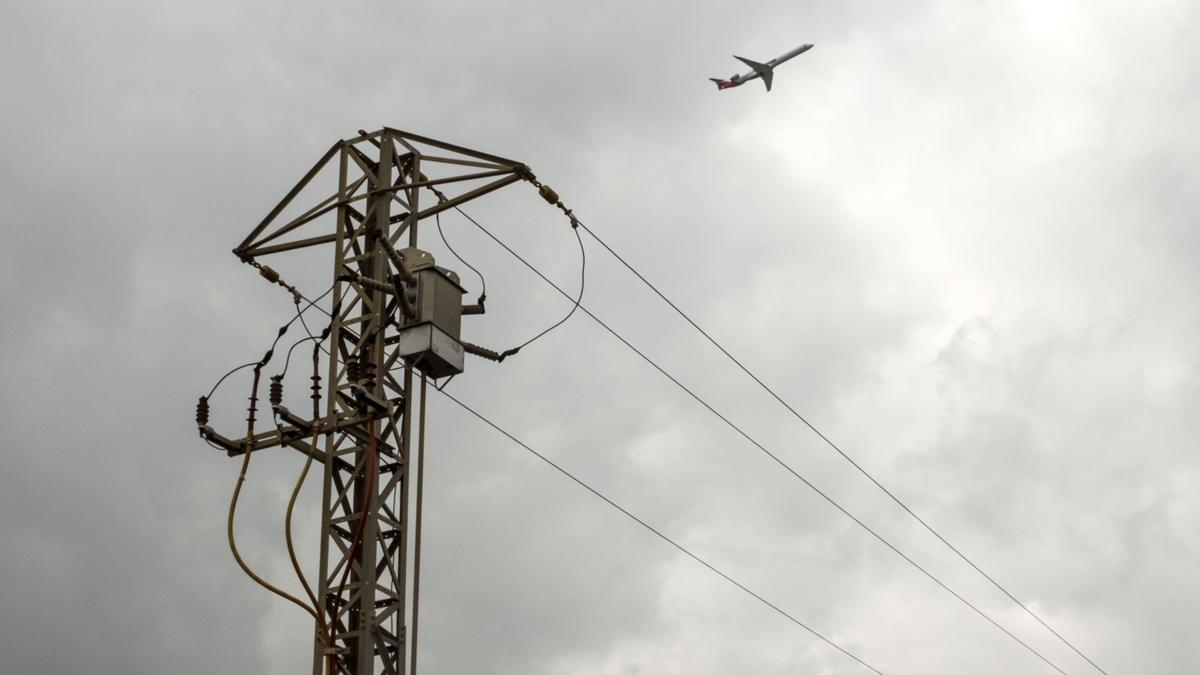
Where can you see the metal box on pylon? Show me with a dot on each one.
(430, 338)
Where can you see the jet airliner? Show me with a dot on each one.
(763, 71)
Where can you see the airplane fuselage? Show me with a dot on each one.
(760, 70)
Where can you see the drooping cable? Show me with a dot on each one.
(576, 300)
(835, 447)
(303, 323)
(499, 357)
(662, 536)
(291, 546)
(291, 507)
(311, 304)
(279, 334)
(325, 632)
(287, 361)
(775, 458)
(437, 218)
(247, 450)
(226, 375)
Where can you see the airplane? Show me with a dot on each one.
(759, 70)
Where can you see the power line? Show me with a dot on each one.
(576, 301)
(279, 334)
(770, 454)
(660, 535)
(835, 447)
(437, 218)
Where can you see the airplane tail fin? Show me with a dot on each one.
(721, 84)
(764, 71)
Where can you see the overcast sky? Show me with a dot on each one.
(960, 237)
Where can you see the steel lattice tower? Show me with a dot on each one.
(388, 330)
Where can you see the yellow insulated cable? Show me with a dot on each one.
(237, 490)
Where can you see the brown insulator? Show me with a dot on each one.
(368, 372)
(549, 195)
(202, 412)
(482, 352)
(253, 408)
(353, 372)
(276, 391)
(269, 274)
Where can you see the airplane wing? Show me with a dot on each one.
(764, 71)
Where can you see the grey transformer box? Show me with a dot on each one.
(429, 339)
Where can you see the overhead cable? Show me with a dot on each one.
(500, 356)
(323, 631)
(247, 451)
(279, 334)
(835, 447)
(775, 457)
(437, 218)
(576, 300)
(660, 535)
(314, 609)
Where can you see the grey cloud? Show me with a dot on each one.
(957, 237)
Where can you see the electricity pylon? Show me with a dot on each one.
(392, 310)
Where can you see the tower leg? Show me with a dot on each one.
(365, 494)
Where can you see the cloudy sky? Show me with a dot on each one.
(959, 237)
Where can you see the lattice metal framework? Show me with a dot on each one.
(388, 182)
